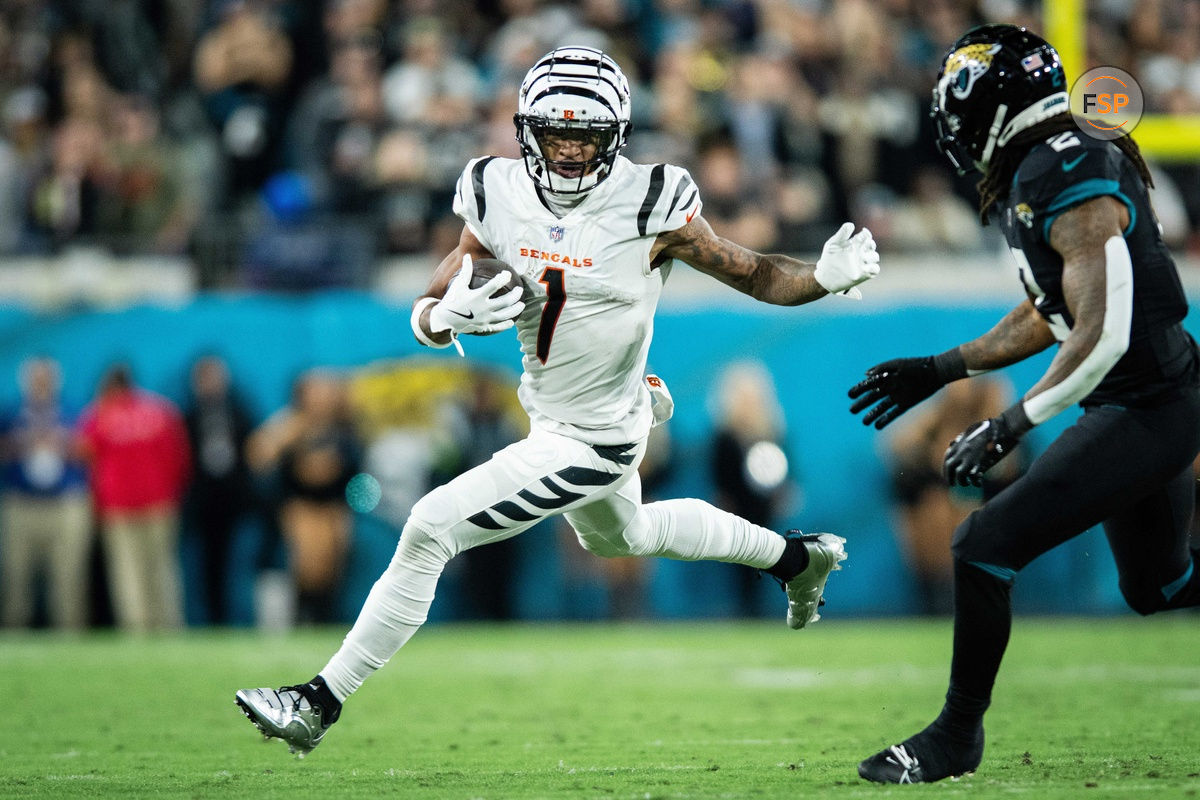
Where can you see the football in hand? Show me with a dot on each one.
(484, 269)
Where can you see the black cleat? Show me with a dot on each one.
(927, 757)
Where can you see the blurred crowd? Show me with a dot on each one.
(293, 144)
(145, 487)
(148, 514)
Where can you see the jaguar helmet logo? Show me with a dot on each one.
(963, 68)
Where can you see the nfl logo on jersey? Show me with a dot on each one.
(556, 233)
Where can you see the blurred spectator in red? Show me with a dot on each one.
(218, 496)
(46, 525)
(312, 447)
(136, 444)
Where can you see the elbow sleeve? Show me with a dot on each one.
(1112, 344)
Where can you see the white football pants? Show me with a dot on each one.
(595, 486)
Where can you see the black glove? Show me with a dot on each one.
(978, 448)
(895, 386)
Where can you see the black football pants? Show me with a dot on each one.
(1127, 468)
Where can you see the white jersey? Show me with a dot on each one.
(590, 292)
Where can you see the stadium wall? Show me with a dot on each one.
(814, 354)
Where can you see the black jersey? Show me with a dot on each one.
(1068, 169)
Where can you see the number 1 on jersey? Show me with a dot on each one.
(556, 295)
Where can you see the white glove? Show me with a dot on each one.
(466, 310)
(847, 261)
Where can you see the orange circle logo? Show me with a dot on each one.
(1107, 102)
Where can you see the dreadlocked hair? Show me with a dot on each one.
(997, 181)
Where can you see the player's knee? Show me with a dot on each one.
(421, 550)
(434, 512)
(616, 542)
(964, 545)
(1143, 600)
(599, 543)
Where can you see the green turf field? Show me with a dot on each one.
(1085, 708)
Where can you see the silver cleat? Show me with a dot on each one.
(284, 714)
(804, 592)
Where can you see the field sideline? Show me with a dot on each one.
(1086, 708)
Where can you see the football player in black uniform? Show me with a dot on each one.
(1100, 282)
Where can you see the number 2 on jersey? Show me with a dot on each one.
(556, 296)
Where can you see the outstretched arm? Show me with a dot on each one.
(1020, 334)
(892, 387)
(775, 279)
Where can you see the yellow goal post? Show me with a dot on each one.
(1162, 137)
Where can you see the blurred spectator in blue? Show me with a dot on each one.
(750, 470)
(243, 70)
(22, 150)
(297, 247)
(137, 449)
(219, 495)
(46, 524)
(312, 447)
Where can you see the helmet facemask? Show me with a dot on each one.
(575, 94)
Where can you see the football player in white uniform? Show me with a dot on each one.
(593, 237)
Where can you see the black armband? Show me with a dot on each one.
(950, 365)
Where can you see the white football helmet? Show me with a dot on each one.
(573, 93)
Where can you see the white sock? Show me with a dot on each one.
(692, 530)
(396, 607)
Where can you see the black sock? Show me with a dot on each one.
(323, 695)
(793, 561)
(982, 621)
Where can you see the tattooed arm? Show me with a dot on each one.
(1021, 334)
(1097, 284)
(773, 279)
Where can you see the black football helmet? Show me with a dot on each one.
(996, 81)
